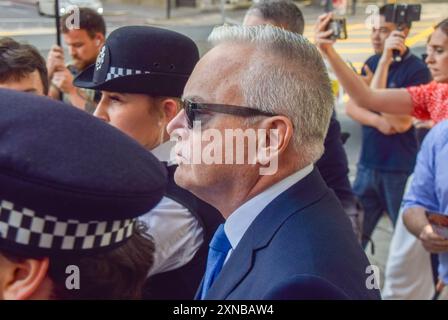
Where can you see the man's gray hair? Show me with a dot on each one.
(283, 12)
(286, 75)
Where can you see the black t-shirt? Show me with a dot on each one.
(394, 153)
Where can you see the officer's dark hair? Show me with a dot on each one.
(280, 11)
(89, 20)
(383, 13)
(116, 274)
(17, 60)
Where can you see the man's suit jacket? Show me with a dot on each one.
(301, 246)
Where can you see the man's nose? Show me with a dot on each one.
(71, 51)
(178, 122)
(375, 34)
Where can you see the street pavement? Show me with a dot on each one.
(21, 21)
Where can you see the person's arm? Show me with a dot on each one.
(63, 81)
(422, 196)
(55, 61)
(53, 92)
(416, 222)
(369, 118)
(395, 41)
(78, 99)
(396, 101)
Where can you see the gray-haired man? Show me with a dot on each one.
(333, 165)
(286, 235)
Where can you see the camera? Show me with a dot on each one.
(339, 27)
(403, 13)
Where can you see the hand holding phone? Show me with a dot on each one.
(439, 222)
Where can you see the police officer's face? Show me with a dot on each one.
(137, 115)
(82, 48)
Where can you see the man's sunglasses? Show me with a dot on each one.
(193, 108)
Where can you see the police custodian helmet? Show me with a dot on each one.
(142, 59)
(69, 183)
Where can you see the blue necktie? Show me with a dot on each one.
(217, 253)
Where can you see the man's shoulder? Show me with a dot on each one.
(372, 61)
(315, 225)
(438, 136)
(415, 63)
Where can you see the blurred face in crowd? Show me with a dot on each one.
(82, 47)
(140, 116)
(379, 35)
(31, 83)
(437, 60)
(24, 279)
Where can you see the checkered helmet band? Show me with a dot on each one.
(23, 226)
(115, 72)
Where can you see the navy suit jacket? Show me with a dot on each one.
(301, 246)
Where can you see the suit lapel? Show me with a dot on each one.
(302, 194)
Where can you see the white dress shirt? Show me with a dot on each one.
(176, 232)
(239, 221)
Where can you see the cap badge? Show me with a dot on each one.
(100, 58)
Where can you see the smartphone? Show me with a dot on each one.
(439, 222)
(339, 27)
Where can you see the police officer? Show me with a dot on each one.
(69, 203)
(141, 72)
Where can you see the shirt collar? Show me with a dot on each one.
(163, 152)
(240, 220)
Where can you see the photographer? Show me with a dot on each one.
(389, 145)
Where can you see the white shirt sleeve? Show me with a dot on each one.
(177, 235)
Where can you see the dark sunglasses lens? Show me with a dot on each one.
(189, 113)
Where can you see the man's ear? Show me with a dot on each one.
(99, 39)
(279, 132)
(274, 138)
(22, 279)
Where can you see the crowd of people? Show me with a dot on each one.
(98, 166)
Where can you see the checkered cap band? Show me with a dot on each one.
(115, 72)
(23, 226)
